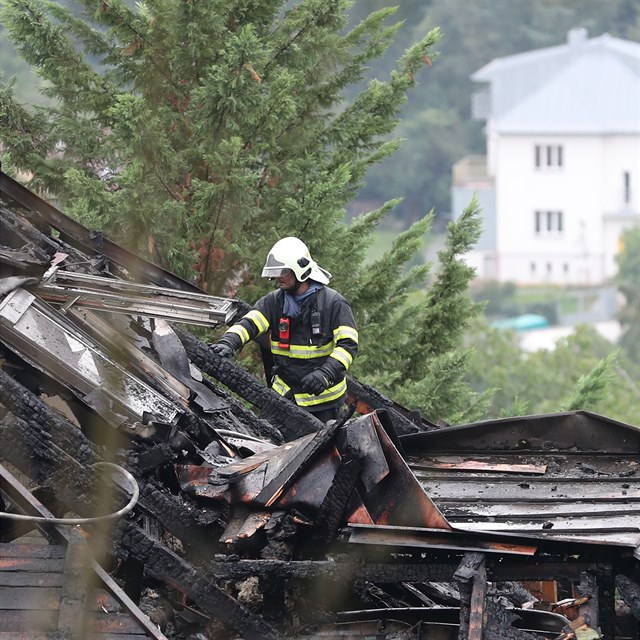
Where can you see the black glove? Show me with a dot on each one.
(222, 349)
(227, 346)
(315, 382)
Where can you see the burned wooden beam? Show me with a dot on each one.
(471, 577)
(48, 426)
(165, 565)
(368, 400)
(285, 415)
(630, 592)
(332, 510)
(343, 568)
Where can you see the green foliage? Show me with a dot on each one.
(209, 137)
(581, 372)
(448, 308)
(410, 346)
(592, 387)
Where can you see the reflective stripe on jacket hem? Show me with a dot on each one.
(308, 400)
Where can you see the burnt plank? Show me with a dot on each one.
(26, 635)
(38, 565)
(77, 574)
(162, 563)
(18, 598)
(283, 415)
(341, 570)
(15, 550)
(13, 621)
(30, 579)
(478, 594)
(466, 575)
(115, 623)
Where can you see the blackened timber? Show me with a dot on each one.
(342, 570)
(369, 400)
(477, 615)
(274, 489)
(52, 450)
(190, 524)
(165, 565)
(606, 600)
(466, 576)
(49, 466)
(290, 419)
(630, 593)
(51, 426)
(330, 514)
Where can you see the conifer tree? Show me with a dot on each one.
(198, 133)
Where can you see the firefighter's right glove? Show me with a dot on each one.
(315, 382)
(226, 347)
(222, 349)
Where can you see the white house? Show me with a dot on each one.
(560, 181)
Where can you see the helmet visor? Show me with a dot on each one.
(276, 272)
(273, 268)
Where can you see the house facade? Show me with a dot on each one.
(560, 180)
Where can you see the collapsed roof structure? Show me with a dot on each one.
(169, 509)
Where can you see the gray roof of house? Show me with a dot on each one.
(585, 86)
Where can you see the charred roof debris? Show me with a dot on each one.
(142, 498)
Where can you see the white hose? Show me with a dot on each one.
(135, 491)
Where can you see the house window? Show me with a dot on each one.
(548, 155)
(548, 222)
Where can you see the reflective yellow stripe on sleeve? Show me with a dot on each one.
(280, 386)
(241, 332)
(342, 356)
(259, 320)
(344, 332)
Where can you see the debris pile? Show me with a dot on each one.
(167, 508)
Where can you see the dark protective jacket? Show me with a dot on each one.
(333, 345)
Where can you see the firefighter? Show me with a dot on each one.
(313, 335)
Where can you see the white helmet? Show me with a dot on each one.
(292, 253)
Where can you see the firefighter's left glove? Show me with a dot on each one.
(315, 382)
